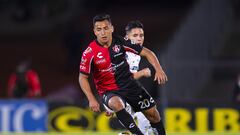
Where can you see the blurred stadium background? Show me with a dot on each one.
(196, 41)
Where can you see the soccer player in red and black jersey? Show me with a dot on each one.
(105, 60)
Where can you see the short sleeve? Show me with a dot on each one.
(86, 61)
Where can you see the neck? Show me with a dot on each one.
(106, 44)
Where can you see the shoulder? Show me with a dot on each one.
(88, 53)
(119, 39)
(92, 45)
(90, 48)
(124, 41)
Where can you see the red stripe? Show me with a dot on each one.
(130, 49)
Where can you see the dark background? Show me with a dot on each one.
(196, 41)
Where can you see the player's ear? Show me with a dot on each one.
(94, 31)
(126, 37)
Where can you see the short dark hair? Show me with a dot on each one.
(101, 17)
(133, 24)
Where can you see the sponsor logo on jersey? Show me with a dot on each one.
(99, 55)
(131, 125)
(116, 48)
(118, 54)
(112, 67)
(101, 61)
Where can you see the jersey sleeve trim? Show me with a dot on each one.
(131, 50)
(84, 73)
(90, 63)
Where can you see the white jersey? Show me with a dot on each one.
(133, 61)
(143, 123)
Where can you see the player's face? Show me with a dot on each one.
(136, 35)
(103, 31)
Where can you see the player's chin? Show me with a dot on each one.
(104, 40)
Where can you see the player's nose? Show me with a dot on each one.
(102, 32)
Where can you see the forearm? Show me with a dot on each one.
(152, 58)
(160, 76)
(85, 86)
(146, 72)
(137, 75)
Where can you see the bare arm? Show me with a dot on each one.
(85, 86)
(160, 75)
(146, 72)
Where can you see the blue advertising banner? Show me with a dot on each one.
(23, 115)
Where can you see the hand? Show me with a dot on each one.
(94, 105)
(146, 72)
(161, 77)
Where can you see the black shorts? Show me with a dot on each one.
(139, 99)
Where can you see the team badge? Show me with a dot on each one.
(116, 48)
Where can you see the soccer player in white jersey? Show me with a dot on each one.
(134, 32)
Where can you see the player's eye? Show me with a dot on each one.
(106, 28)
(135, 35)
(98, 29)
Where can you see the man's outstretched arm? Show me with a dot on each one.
(160, 75)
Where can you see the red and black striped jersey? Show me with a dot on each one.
(108, 66)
